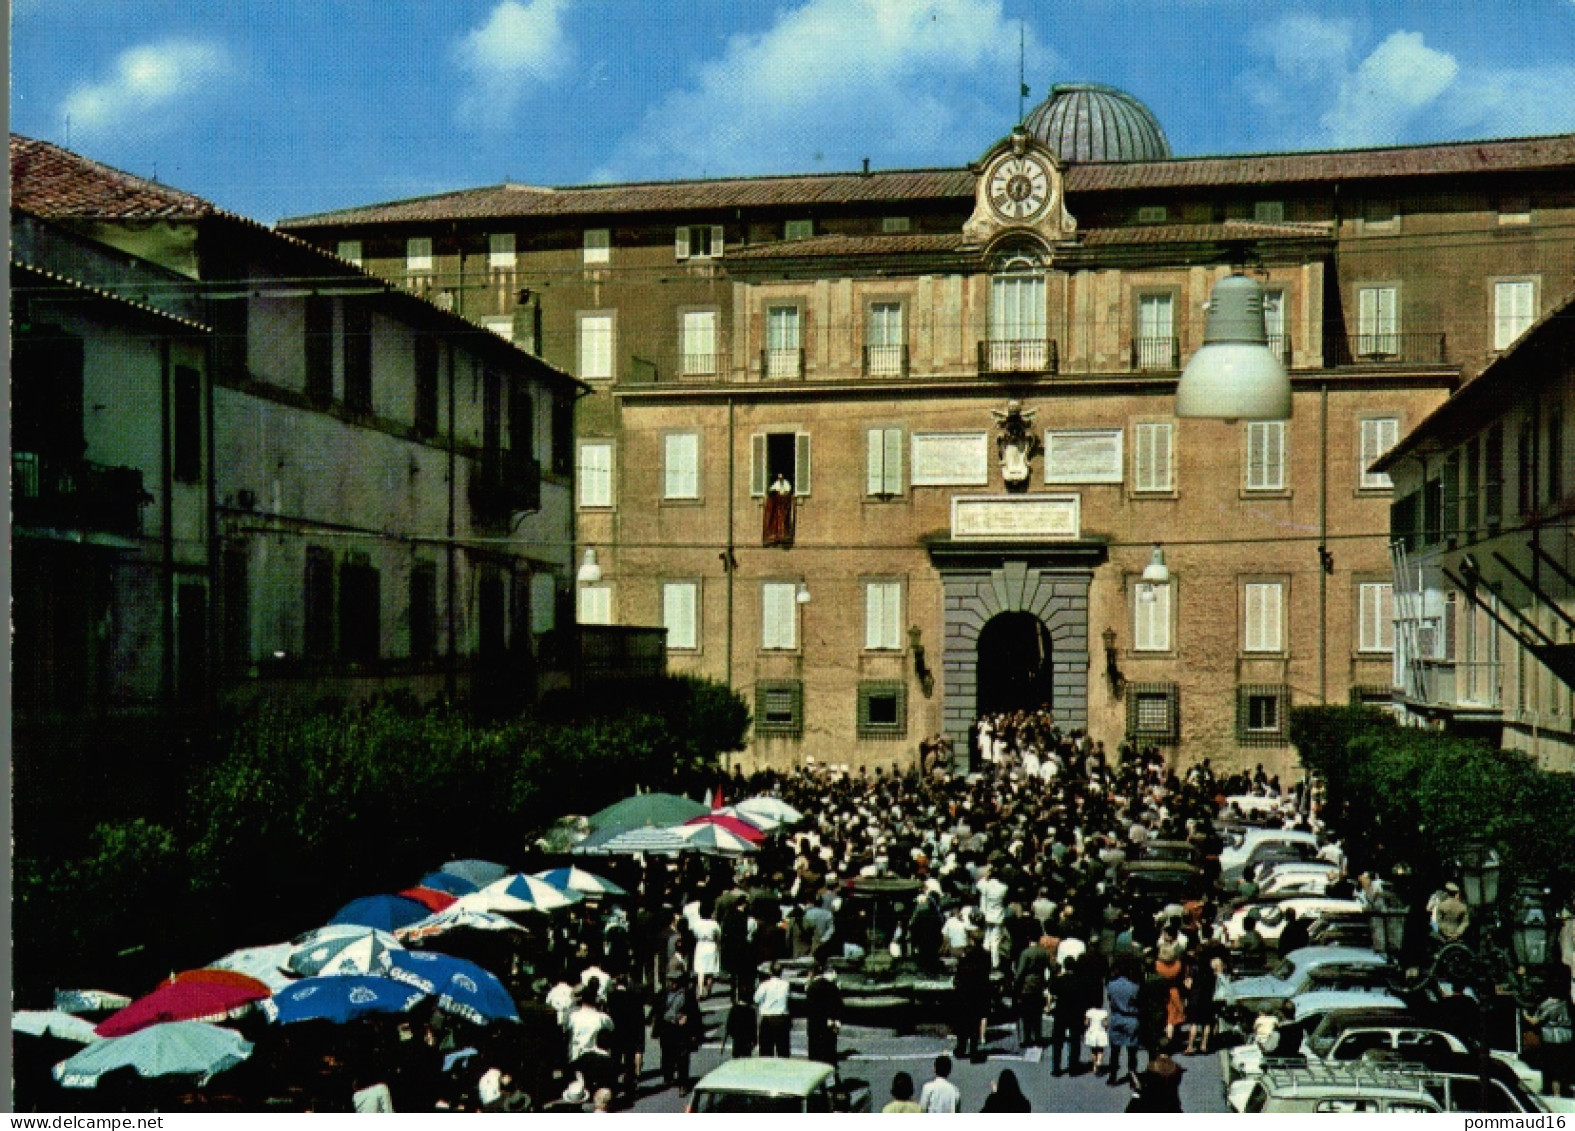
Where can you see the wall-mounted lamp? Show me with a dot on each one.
(1234, 375)
(729, 562)
(1118, 681)
(1156, 572)
(590, 570)
(1326, 559)
(802, 595)
(524, 295)
(921, 669)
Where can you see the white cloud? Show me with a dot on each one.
(519, 44)
(1375, 104)
(834, 80)
(149, 88)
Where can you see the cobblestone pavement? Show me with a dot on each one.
(878, 1054)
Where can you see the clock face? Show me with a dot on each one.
(1019, 188)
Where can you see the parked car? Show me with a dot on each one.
(1179, 851)
(1354, 931)
(1299, 881)
(1312, 967)
(1352, 1035)
(773, 1084)
(1451, 1083)
(1154, 883)
(1271, 914)
(1257, 844)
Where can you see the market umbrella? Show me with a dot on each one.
(629, 841)
(773, 807)
(265, 963)
(578, 879)
(179, 1048)
(714, 839)
(735, 825)
(755, 817)
(342, 949)
(233, 978)
(54, 1023)
(433, 901)
(654, 809)
(341, 998)
(448, 882)
(519, 892)
(182, 1001)
(479, 872)
(89, 1001)
(463, 988)
(385, 912)
(456, 918)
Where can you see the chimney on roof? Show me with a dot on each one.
(866, 167)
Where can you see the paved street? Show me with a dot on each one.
(876, 1055)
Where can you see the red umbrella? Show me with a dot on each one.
(232, 978)
(735, 825)
(435, 901)
(181, 1001)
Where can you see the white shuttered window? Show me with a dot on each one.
(1377, 632)
(418, 254)
(595, 474)
(595, 604)
(596, 346)
(1151, 456)
(779, 616)
(500, 251)
(1151, 618)
(1378, 321)
(681, 464)
(598, 245)
(883, 615)
(1379, 434)
(883, 468)
(680, 607)
(1266, 455)
(1264, 606)
(698, 341)
(1514, 310)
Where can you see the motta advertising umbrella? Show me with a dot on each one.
(179, 1048)
(341, 998)
(89, 1001)
(578, 879)
(462, 987)
(385, 912)
(519, 892)
(735, 825)
(182, 1001)
(54, 1023)
(479, 872)
(342, 949)
(456, 918)
(714, 840)
(654, 809)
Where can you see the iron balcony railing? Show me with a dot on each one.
(76, 495)
(1156, 353)
(1018, 355)
(782, 363)
(695, 364)
(1391, 348)
(886, 361)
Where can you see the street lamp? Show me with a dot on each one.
(1234, 375)
(1479, 868)
(590, 570)
(1532, 934)
(1388, 921)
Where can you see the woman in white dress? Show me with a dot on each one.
(708, 953)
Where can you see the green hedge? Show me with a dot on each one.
(301, 811)
(1400, 794)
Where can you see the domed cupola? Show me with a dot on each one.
(1087, 122)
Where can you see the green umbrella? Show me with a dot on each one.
(177, 1048)
(659, 810)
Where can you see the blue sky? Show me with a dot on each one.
(278, 107)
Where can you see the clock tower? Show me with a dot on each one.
(1018, 186)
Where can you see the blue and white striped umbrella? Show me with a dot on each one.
(342, 949)
(450, 883)
(453, 918)
(578, 879)
(518, 892)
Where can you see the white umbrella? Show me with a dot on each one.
(89, 1001)
(54, 1023)
(265, 963)
(714, 839)
(518, 892)
(773, 807)
(178, 1048)
(578, 879)
(630, 841)
(453, 918)
(342, 949)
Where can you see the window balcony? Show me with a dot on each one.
(1391, 348)
(886, 361)
(1156, 354)
(1458, 685)
(695, 364)
(503, 485)
(782, 364)
(76, 495)
(1018, 356)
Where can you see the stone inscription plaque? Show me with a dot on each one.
(951, 459)
(1090, 456)
(1033, 518)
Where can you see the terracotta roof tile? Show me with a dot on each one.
(1204, 233)
(52, 182)
(904, 243)
(954, 184)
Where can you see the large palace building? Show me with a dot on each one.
(884, 450)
